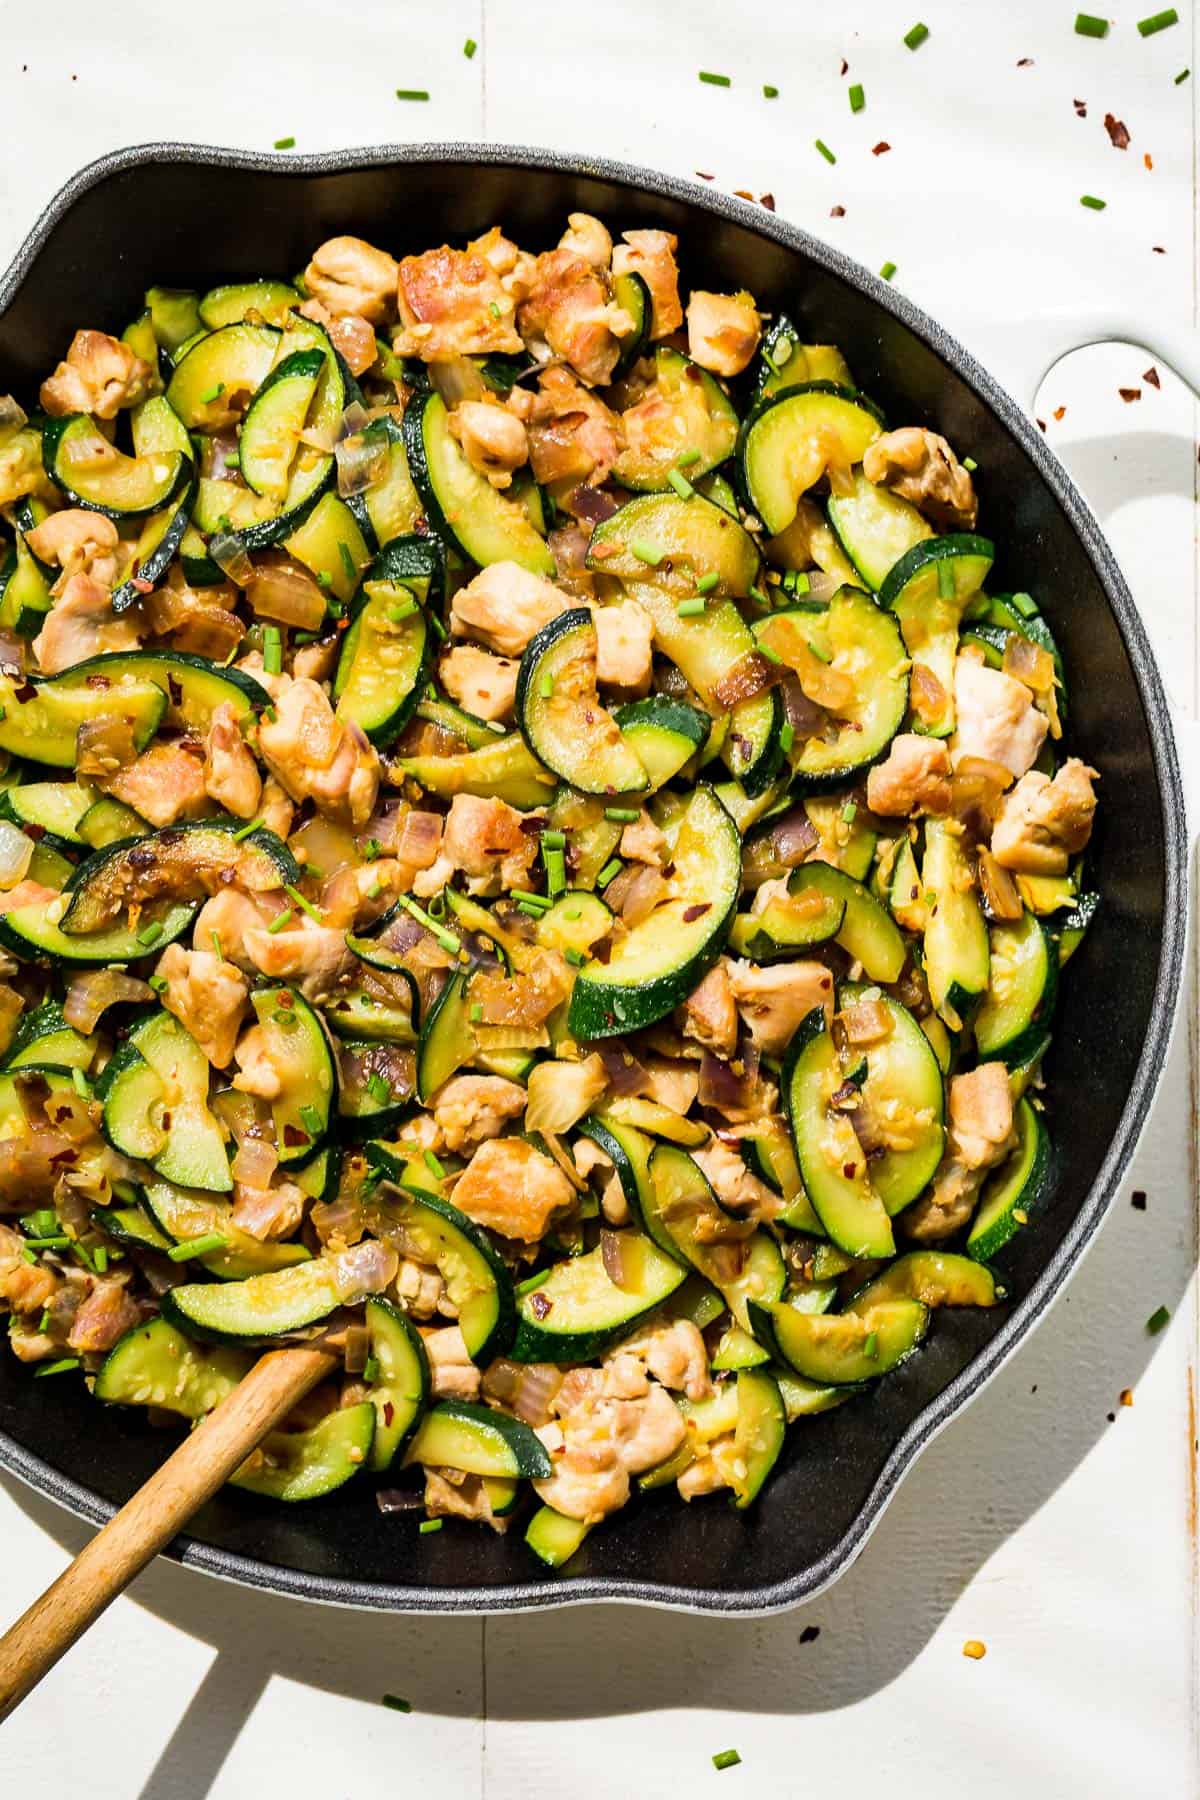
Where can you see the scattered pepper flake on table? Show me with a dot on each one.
(837, 212)
(767, 200)
(881, 148)
(1150, 375)
(1138, 1199)
(845, 68)
(810, 1634)
(1080, 108)
(1118, 132)
(1126, 1396)
(1148, 160)
(1025, 62)
(704, 175)
(975, 1648)
(1158, 249)
(1060, 412)
(1128, 395)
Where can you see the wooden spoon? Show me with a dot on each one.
(205, 1459)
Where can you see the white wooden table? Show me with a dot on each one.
(1051, 1522)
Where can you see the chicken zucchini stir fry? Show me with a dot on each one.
(532, 854)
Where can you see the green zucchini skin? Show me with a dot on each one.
(848, 1207)
(155, 1364)
(462, 507)
(400, 1391)
(551, 1535)
(194, 849)
(1022, 1185)
(304, 1465)
(773, 478)
(563, 720)
(759, 1434)
(43, 723)
(162, 474)
(383, 667)
(262, 1306)
(573, 1312)
(193, 685)
(1018, 1007)
(459, 1435)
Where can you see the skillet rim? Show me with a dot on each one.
(773, 1597)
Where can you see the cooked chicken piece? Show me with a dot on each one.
(774, 999)
(420, 1290)
(710, 1012)
(257, 1072)
(231, 776)
(624, 645)
(164, 783)
(484, 684)
(252, 664)
(512, 1189)
(920, 466)
(198, 621)
(493, 439)
(560, 1093)
(588, 238)
(228, 917)
(502, 255)
(642, 841)
(314, 755)
(484, 839)
(106, 1315)
(452, 303)
(913, 777)
(651, 254)
(712, 1470)
(99, 376)
(1044, 823)
(670, 1083)
(207, 994)
(723, 331)
(81, 543)
(734, 1184)
(82, 623)
(276, 808)
(471, 1108)
(352, 336)
(21, 468)
(269, 1213)
(316, 662)
(569, 311)
(24, 1287)
(599, 1441)
(675, 1354)
(311, 956)
(997, 719)
(504, 606)
(573, 435)
(590, 1159)
(26, 893)
(449, 1494)
(349, 276)
(452, 1374)
(980, 1135)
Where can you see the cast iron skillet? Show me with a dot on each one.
(191, 217)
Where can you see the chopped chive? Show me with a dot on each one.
(469, 49)
(608, 872)
(348, 562)
(1158, 1318)
(554, 840)
(476, 1013)
(970, 465)
(546, 685)
(446, 939)
(1090, 201)
(150, 934)
(646, 552)
(556, 872)
(821, 655)
(393, 1700)
(1026, 605)
(324, 578)
(412, 93)
(530, 910)
(314, 912)
(288, 1020)
(403, 609)
(428, 1525)
(1088, 25)
(44, 1322)
(576, 958)
(916, 37)
(287, 143)
(272, 650)
(681, 484)
(493, 309)
(433, 1165)
(233, 459)
(201, 1246)
(945, 578)
(216, 944)
(726, 1759)
(857, 98)
(772, 656)
(281, 920)
(378, 1089)
(689, 609)
(370, 1372)
(757, 594)
(1182, 76)
(796, 582)
(686, 458)
(247, 830)
(59, 1367)
(212, 393)
(849, 812)
(158, 983)
(79, 1082)
(887, 271)
(787, 735)
(40, 1224)
(707, 583)
(55, 1241)
(824, 149)
(622, 815)
(372, 850)
(707, 76)
(538, 900)
(3, 712)
(1158, 22)
(871, 1345)
(439, 630)
(769, 92)
(100, 1258)
(374, 891)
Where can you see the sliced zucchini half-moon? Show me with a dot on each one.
(664, 734)
(182, 863)
(842, 1349)
(875, 528)
(183, 1214)
(1022, 984)
(786, 442)
(575, 1311)
(903, 1081)
(562, 718)
(155, 1099)
(928, 590)
(1012, 1195)
(193, 685)
(95, 475)
(833, 1166)
(399, 1390)
(385, 652)
(154, 1364)
(275, 418)
(456, 1434)
(303, 1465)
(678, 542)
(220, 367)
(461, 504)
(229, 304)
(685, 1218)
(297, 1045)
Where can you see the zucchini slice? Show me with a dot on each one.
(575, 1311)
(430, 1230)
(652, 1117)
(903, 1084)
(25, 596)
(229, 305)
(130, 1227)
(839, 1349)
(759, 1433)
(461, 504)
(934, 1277)
(53, 808)
(40, 719)
(352, 1013)
(784, 361)
(455, 1434)
(447, 1042)
(194, 687)
(156, 1365)
(262, 1306)
(174, 317)
(553, 1537)
(43, 1039)
(865, 931)
(1022, 983)
(400, 1385)
(298, 1047)
(737, 1350)
(391, 507)
(31, 934)
(161, 535)
(29, 1081)
(182, 1214)
(505, 769)
(804, 1399)
(685, 1218)
(706, 1420)
(681, 540)
(659, 962)
(875, 528)
(1016, 1190)
(106, 821)
(785, 445)
(329, 542)
(686, 409)
(633, 297)
(382, 667)
(663, 734)
(576, 921)
(182, 863)
(155, 1099)
(706, 650)
(275, 418)
(95, 475)
(629, 1151)
(562, 718)
(832, 1164)
(788, 926)
(927, 590)
(219, 368)
(303, 1465)
(957, 955)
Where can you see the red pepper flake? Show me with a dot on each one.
(1158, 250)
(539, 1306)
(389, 1412)
(743, 193)
(845, 68)
(1040, 423)
(36, 832)
(691, 913)
(98, 681)
(1081, 108)
(810, 1634)
(1126, 1396)
(175, 691)
(1060, 412)
(1118, 132)
(141, 584)
(881, 148)
(704, 176)
(767, 200)
(25, 692)
(1150, 375)
(166, 1121)
(848, 1171)
(1130, 394)
(1025, 62)
(837, 212)
(292, 1136)
(1138, 1200)
(1148, 160)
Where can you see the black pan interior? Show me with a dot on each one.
(185, 217)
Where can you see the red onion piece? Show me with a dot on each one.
(752, 674)
(626, 1076)
(793, 837)
(279, 588)
(400, 1500)
(617, 1265)
(93, 992)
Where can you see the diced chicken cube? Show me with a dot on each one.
(710, 1013)
(315, 756)
(348, 275)
(642, 841)
(568, 310)
(493, 439)
(470, 1109)
(651, 254)
(997, 719)
(921, 467)
(736, 1186)
(589, 238)
(723, 331)
(513, 1189)
(106, 1315)
(913, 777)
(979, 1136)
(484, 839)
(484, 684)
(573, 435)
(1044, 823)
(100, 376)
(674, 1354)
(505, 606)
(165, 783)
(453, 1376)
(775, 998)
(81, 543)
(82, 623)
(452, 303)
(624, 645)
(310, 956)
(207, 994)
(231, 776)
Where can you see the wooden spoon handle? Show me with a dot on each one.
(157, 1512)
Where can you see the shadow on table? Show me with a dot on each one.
(994, 1469)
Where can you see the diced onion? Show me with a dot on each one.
(362, 464)
(229, 554)
(255, 1163)
(13, 417)
(867, 1022)
(617, 1265)
(16, 854)
(95, 990)
(279, 588)
(1001, 898)
(457, 378)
